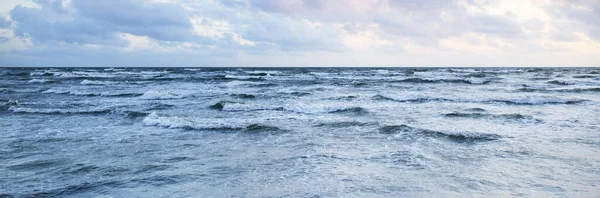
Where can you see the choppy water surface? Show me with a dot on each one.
(299, 132)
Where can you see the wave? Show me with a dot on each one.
(83, 75)
(424, 81)
(528, 100)
(86, 93)
(418, 99)
(244, 78)
(94, 82)
(70, 190)
(236, 106)
(58, 111)
(557, 82)
(136, 114)
(263, 73)
(343, 98)
(536, 101)
(463, 137)
(159, 106)
(476, 109)
(573, 90)
(341, 124)
(460, 137)
(220, 105)
(189, 123)
(161, 95)
(261, 128)
(585, 76)
(6, 104)
(40, 81)
(513, 116)
(41, 73)
(244, 96)
(239, 83)
(351, 110)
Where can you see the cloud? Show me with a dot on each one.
(315, 32)
(102, 22)
(5, 23)
(581, 15)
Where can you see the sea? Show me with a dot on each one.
(299, 132)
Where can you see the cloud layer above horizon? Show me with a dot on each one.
(189, 33)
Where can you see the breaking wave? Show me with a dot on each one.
(40, 81)
(97, 82)
(15, 109)
(460, 137)
(191, 123)
(88, 93)
(161, 95)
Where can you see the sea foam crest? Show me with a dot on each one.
(536, 100)
(57, 111)
(155, 119)
(91, 93)
(96, 82)
(36, 80)
(161, 95)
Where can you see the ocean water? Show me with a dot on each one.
(299, 132)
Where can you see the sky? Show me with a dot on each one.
(292, 33)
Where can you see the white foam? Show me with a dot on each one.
(244, 77)
(39, 73)
(155, 119)
(38, 81)
(536, 100)
(94, 82)
(272, 72)
(86, 93)
(161, 95)
(54, 110)
(245, 107)
(237, 83)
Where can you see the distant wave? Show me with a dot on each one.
(88, 93)
(225, 105)
(527, 100)
(341, 124)
(58, 111)
(244, 96)
(94, 82)
(155, 119)
(245, 78)
(161, 95)
(418, 99)
(460, 137)
(573, 90)
(513, 116)
(351, 110)
(558, 82)
(585, 76)
(40, 81)
(423, 80)
(536, 101)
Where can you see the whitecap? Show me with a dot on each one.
(161, 95)
(40, 81)
(155, 119)
(57, 111)
(94, 82)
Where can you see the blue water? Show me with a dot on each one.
(299, 132)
